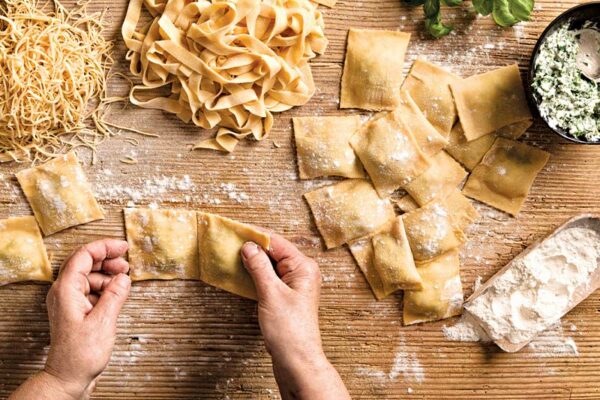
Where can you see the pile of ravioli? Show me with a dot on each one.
(435, 132)
(163, 243)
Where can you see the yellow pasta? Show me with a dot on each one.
(228, 65)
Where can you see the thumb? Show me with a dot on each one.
(112, 299)
(261, 270)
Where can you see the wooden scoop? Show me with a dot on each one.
(581, 292)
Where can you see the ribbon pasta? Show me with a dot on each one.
(229, 64)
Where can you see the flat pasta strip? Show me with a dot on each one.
(373, 69)
(59, 194)
(220, 241)
(362, 251)
(23, 255)
(393, 259)
(505, 175)
(163, 244)
(429, 87)
(432, 231)
(439, 180)
(442, 293)
(490, 101)
(348, 210)
(323, 147)
(389, 152)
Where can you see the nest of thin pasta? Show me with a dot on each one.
(53, 69)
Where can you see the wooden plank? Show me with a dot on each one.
(187, 340)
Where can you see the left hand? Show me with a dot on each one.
(83, 306)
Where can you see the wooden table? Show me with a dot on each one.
(184, 340)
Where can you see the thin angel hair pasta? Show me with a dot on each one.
(228, 64)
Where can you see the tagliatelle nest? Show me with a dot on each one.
(228, 63)
(52, 66)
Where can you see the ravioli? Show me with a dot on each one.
(432, 231)
(490, 101)
(389, 153)
(406, 203)
(348, 210)
(323, 147)
(393, 259)
(460, 208)
(442, 294)
(373, 69)
(59, 194)
(163, 244)
(505, 175)
(438, 181)
(429, 87)
(220, 242)
(23, 255)
(362, 251)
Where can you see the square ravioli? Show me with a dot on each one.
(438, 181)
(373, 69)
(23, 255)
(490, 101)
(348, 210)
(395, 147)
(460, 208)
(505, 175)
(442, 294)
(406, 203)
(432, 231)
(429, 86)
(163, 244)
(362, 251)
(59, 194)
(469, 154)
(220, 242)
(393, 259)
(323, 147)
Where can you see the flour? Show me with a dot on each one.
(538, 289)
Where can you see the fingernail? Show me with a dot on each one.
(249, 250)
(123, 280)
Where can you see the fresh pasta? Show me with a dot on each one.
(228, 64)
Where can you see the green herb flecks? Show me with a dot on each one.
(566, 98)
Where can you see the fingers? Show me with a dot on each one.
(111, 300)
(259, 267)
(99, 281)
(91, 257)
(282, 248)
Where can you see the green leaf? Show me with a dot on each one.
(436, 28)
(483, 7)
(452, 3)
(432, 9)
(414, 2)
(509, 12)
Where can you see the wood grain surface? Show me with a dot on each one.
(186, 340)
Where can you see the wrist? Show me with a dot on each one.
(63, 388)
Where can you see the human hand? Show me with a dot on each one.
(288, 308)
(83, 306)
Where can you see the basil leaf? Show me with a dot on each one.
(432, 9)
(509, 12)
(436, 28)
(483, 7)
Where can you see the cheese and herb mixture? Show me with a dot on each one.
(567, 99)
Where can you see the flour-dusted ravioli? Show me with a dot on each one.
(59, 194)
(373, 69)
(220, 242)
(490, 101)
(460, 208)
(163, 244)
(438, 181)
(441, 296)
(348, 210)
(432, 231)
(323, 147)
(389, 153)
(362, 251)
(406, 203)
(22, 252)
(469, 154)
(429, 87)
(393, 259)
(505, 175)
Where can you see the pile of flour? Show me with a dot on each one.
(537, 290)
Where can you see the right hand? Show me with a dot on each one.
(288, 314)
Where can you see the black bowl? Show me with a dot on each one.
(577, 15)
